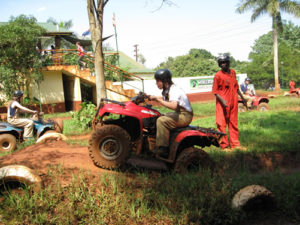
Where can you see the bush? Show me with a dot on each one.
(85, 115)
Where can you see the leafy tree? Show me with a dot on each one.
(274, 9)
(141, 58)
(19, 60)
(260, 69)
(198, 62)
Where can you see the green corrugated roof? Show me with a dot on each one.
(132, 65)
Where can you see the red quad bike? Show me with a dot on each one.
(295, 92)
(259, 103)
(124, 132)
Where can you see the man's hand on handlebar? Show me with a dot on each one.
(152, 98)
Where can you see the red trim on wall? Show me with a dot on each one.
(201, 96)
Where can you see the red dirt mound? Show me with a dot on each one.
(40, 156)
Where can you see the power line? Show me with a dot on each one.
(207, 37)
(213, 32)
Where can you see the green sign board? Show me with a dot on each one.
(204, 83)
(201, 83)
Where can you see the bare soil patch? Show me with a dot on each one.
(74, 157)
(40, 156)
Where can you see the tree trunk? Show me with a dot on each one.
(95, 14)
(275, 49)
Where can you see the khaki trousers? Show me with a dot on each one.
(170, 121)
(23, 122)
(249, 100)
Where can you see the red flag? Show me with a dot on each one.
(114, 20)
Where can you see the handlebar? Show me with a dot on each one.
(140, 98)
(37, 115)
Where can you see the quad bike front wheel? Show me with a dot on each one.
(8, 142)
(58, 125)
(263, 107)
(192, 159)
(109, 146)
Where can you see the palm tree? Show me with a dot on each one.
(273, 8)
(62, 24)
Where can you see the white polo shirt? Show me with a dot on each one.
(178, 95)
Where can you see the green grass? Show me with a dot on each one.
(57, 115)
(265, 131)
(201, 197)
(204, 109)
(284, 102)
(275, 130)
(146, 198)
(71, 128)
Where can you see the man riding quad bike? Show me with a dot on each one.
(22, 129)
(121, 128)
(253, 101)
(259, 103)
(10, 135)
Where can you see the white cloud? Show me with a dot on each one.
(41, 9)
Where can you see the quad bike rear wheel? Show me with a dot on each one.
(191, 159)
(109, 146)
(263, 107)
(241, 107)
(8, 142)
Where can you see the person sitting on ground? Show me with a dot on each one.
(81, 54)
(248, 92)
(173, 98)
(13, 109)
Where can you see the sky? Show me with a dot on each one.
(159, 32)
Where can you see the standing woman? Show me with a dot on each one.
(173, 98)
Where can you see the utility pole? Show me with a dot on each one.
(116, 36)
(136, 52)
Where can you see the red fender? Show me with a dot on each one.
(189, 133)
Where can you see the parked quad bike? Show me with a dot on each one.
(10, 135)
(259, 103)
(122, 129)
(295, 92)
